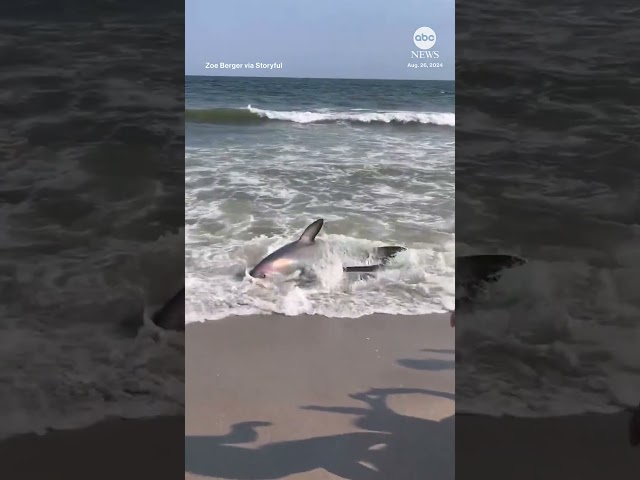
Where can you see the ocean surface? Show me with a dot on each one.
(92, 214)
(547, 168)
(267, 156)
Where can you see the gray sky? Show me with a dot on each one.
(321, 38)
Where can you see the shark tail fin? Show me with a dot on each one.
(384, 254)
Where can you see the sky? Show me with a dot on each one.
(318, 38)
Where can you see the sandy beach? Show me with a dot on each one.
(587, 447)
(122, 449)
(311, 397)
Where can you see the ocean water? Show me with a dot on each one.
(92, 212)
(559, 335)
(266, 157)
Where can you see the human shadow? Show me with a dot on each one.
(432, 364)
(395, 446)
(341, 455)
(243, 432)
(416, 448)
(427, 364)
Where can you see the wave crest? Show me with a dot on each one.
(252, 115)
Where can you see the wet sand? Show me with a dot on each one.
(310, 397)
(114, 449)
(585, 447)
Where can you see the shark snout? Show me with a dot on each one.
(262, 270)
(257, 273)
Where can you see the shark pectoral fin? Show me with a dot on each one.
(309, 234)
(363, 268)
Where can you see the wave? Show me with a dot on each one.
(251, 115)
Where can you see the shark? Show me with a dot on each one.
(302, 253)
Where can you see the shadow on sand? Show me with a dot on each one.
(427, 364)
(432, 364)
(395, 446)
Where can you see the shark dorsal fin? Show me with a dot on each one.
(309, 234)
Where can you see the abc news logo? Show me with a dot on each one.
(425, 38)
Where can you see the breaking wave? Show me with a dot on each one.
(251, 115)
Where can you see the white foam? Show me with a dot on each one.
(392, 186)
(417, 281)
(434, 118)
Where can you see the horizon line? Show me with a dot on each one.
(326, 78)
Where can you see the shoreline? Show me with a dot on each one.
(315, 315)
